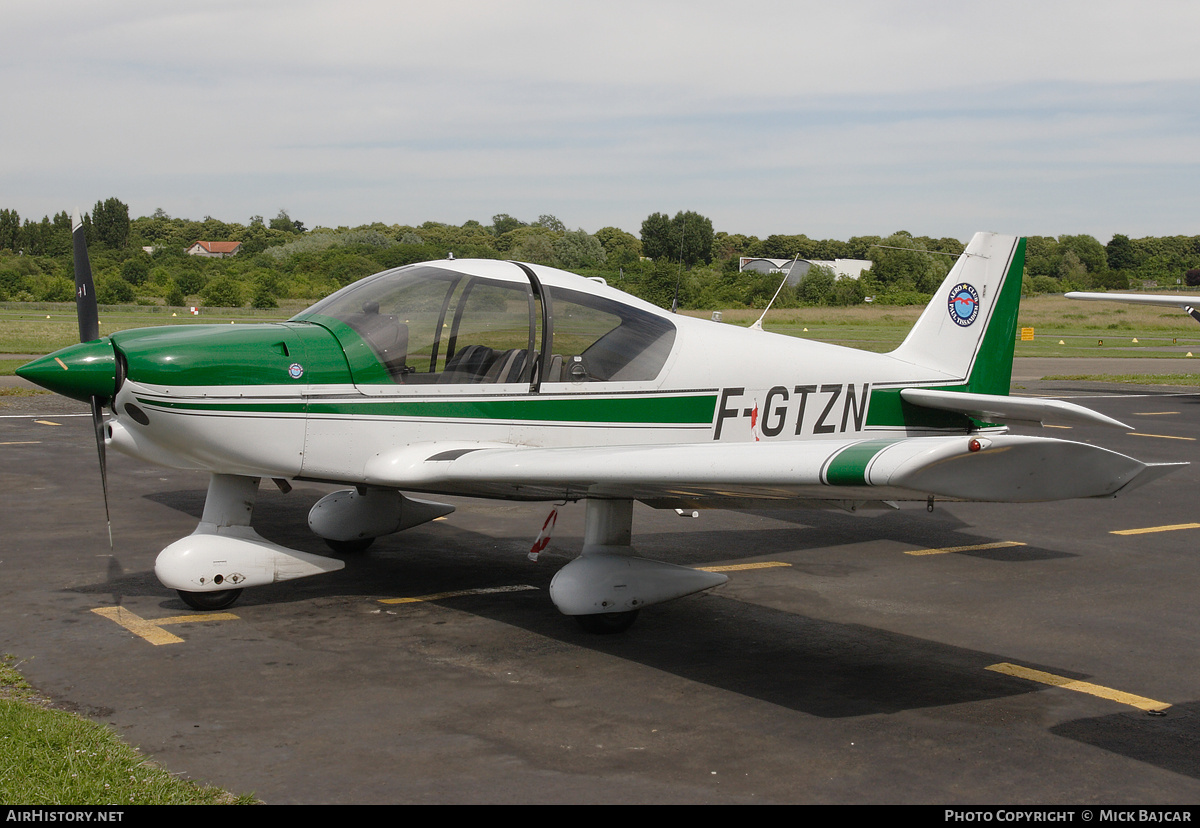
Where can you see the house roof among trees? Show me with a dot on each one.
(219, 247)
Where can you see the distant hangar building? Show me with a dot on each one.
(797, 269)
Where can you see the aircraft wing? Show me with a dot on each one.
(1188, 304)
(1176, 301)
(1008, 468)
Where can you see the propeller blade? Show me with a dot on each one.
(85, 290)
(89, 329)
(98, 428)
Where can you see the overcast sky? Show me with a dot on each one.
(830, 119)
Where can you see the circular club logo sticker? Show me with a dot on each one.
(295, 370)
(964, 304)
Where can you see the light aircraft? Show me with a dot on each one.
(1187, 304)
(499, 379)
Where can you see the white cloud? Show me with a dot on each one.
(828, 119)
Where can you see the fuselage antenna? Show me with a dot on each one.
(679, 277)
(757, 326)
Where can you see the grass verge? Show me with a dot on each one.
(8, 367)
(52, 757)
(1189, 380)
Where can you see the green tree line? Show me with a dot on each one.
(676, 258)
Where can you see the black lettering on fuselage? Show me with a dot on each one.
(803, 391)
(860, 412)
(823, 427)
(769, 430)
(722, 412)
(778, 408)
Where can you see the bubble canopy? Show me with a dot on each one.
(493, 322)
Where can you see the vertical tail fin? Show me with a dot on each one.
(969, 329)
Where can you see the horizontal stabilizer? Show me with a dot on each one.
(996, 408)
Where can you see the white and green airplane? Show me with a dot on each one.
(499, 379)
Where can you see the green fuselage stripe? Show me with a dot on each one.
(689, 410)
(849, 466)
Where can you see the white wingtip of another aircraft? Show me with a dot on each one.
(1177, 301)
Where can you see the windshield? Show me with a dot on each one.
(430, 324)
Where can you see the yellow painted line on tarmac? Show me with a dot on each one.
(1150, 529)
(437, 596)
(1152, 413)
(1048, 425)
(46, 422)
(1140, 702)
(973, 548)
(736, 567)
(1162, 436)
(152, 629)
(21, 443)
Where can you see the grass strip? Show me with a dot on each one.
(8, 367)
(1188, 380)
(52, 757)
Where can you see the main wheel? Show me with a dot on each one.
(204, 601)
(350, 547)
(607, 623)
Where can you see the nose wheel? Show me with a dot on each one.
(350, 547)
(607, 623)
(207, 601)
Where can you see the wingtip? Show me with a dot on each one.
(1148, 473)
